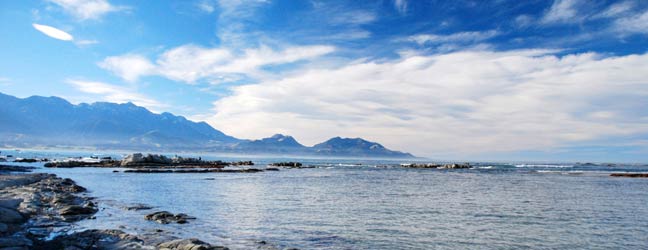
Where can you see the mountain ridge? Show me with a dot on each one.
(53, 121)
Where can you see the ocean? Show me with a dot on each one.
(376, 204)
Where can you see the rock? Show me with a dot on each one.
(272, 169)
(10, 216)
(138, 207)
(26, 160)
(164, 217)
(631, 175)
(287, 164)
(188, 244)
(3, 228)
(10, 203)
(15, 241)
(77, 210)
(132, 158)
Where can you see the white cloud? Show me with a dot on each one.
(129, 67)
(206, 6)
(450, 105)
(117, 94)
(637, 23)
(461, 37)
(53, 32)
(400, 6)
(616, 10)
(562, 11)
(87, 9)
(190, 63)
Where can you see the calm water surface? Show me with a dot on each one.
(340, 206)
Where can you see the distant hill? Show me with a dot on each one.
(355, 147)
(54, 122)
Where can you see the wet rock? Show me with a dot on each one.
(10, 203)
(11, 216)
(15, 242)
(77, 210)
(631, 175)
(242, 163)
(138, 207)
(164, 217)
(188, 244)
(26, 160)
(287, 164)
(272, 169)
(94, 239)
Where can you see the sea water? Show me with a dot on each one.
(362, 204)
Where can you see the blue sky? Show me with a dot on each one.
(493, 80)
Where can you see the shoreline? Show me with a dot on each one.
(37, 208)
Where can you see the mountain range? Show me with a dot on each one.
(39, 121)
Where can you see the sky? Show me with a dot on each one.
(563, 80)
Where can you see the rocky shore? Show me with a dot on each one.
(35, 206)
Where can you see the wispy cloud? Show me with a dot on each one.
(562, 11)
(53, 32)
(117, 94)
(635, 23)
(87, 9)
(206, 6)
(190, 63)
(400, 6)
(453, 104)
(461, 37)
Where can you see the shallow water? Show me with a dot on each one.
(349, 206)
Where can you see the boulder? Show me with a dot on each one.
(77, 210)
(10, 216)
(164, 217)
(10, 203)
(188, 244)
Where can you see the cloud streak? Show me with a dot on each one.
(87, 9)
(192, 63)
(113, 93)
(53, 32)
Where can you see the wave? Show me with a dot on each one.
(543, 166)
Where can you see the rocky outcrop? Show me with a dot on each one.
(287, 164)
(164, 217)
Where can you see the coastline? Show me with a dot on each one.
(36, 209)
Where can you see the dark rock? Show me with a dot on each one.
(272, 169)
(11, 216)
(164, 217)
(26, 160)
(287, 164)
(10, 203)
(188, 244)
(15, 241)
(631, 175)
(242, 163)
(138, 207)
(77, 210)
